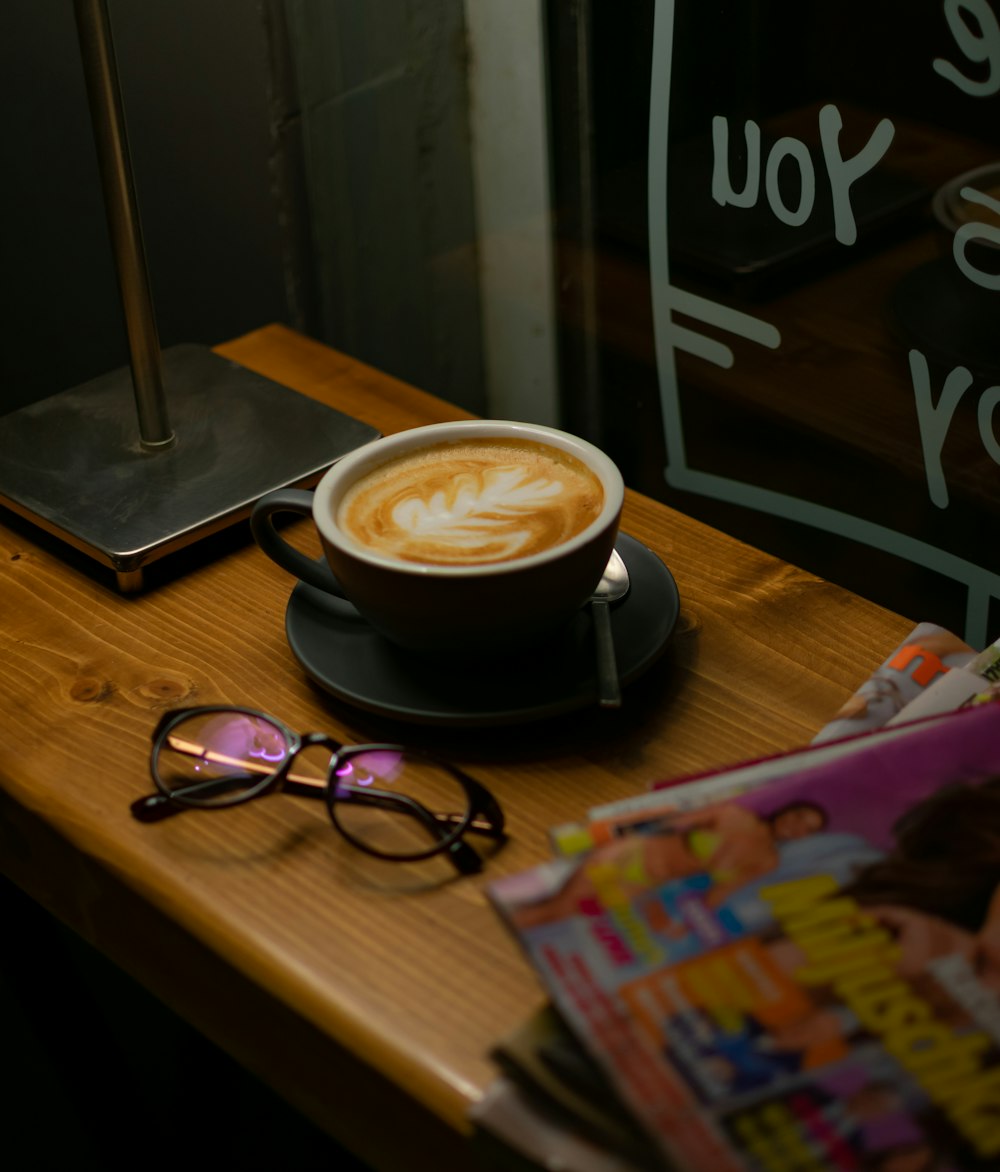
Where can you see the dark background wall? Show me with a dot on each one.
(199, 93)
(301, 161)
(384, 116)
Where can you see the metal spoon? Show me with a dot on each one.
(612, 586)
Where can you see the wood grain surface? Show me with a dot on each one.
(355, 986)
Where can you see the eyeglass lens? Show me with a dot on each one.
(395, 803)
(218, 758)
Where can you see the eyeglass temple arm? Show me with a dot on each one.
(152, 807)
(155, 806)
(400, 803)
(487, 816)
(160, 805)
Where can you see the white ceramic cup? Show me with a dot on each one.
(473, 609)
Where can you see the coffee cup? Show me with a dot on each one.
(472, 538)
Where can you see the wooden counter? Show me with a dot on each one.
(364, 992)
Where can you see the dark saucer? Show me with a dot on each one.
(354, 663)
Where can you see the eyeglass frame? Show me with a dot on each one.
(483, 814)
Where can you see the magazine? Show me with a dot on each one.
(925, 657)
(803, 975)
(931, 672)
(644, 810)
(975, 683)
(547, 1063)
(517, 1132)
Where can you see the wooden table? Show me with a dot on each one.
(362, 991)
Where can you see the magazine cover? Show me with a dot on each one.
(803, 975)
(646, 809)
(920, 662)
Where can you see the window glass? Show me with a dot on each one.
(780, 265)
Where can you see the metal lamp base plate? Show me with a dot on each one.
(73, 464)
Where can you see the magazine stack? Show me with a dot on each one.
(785, 965)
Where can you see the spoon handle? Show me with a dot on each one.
(608, 689)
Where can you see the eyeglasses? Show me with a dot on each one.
(388, 800)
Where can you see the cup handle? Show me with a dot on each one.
(290, 500)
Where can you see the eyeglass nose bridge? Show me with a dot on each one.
(308, 740)
(286, 778)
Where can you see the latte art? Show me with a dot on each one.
(471, 502)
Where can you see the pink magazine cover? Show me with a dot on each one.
(673, 795)
(811, 966)
(931, 672)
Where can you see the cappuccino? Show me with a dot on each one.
(471, 502)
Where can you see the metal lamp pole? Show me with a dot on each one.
(73, 463)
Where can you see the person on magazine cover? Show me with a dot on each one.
(734, 848)
(946, 856)
(927, 653)
(937, 893)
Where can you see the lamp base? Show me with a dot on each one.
(73, 464)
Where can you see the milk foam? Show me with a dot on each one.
(471, 502)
